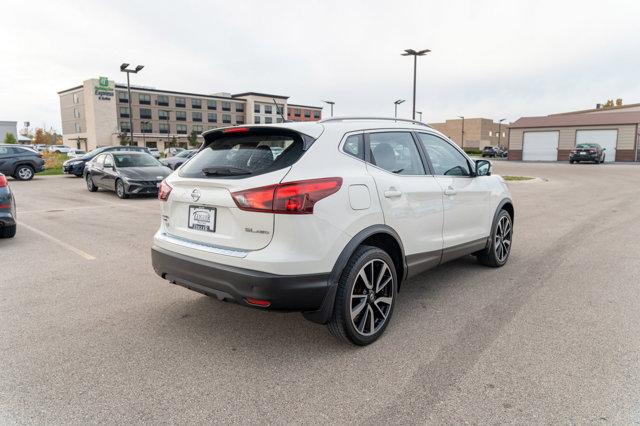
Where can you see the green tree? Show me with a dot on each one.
(174, 141)
(124, 139)
(9, 138)
(193, 139)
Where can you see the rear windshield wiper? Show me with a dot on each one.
(225, 171)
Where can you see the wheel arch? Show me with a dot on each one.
(507, 205)
(22, 163)
(381, 236)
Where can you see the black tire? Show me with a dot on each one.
(90, 185)
(24, 172)
(120, 190)
(341, 324)
(571, 161)
(8, 231)
(497, 254)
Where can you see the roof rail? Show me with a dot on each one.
(404, 120)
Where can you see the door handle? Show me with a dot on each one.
(450, 191)
(392, 193)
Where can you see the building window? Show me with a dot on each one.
(124, 126)
(226, 106)
(152, 144)
(316, 114)
(163, 128)
(75, 98)
(180, 103)
(145, 99)
(196, 103)
(239, 107)
(256, 108)
(307, 113)
(146, 127)
(297, 112)
(163, 115)
(268, 120)
(76, 113)
(212, 104)
(226, 118)
(279, 120)
(145, 113)
(212, 117)
(239, 119)
(196, 116)
(197, 128)
(181, 129)
(268, 109)
(504, 134)
(256, 119)
(163, 100)
(78, 128)
(181, 116)
(124, 112)
(123, 97)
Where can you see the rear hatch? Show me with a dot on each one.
(202, 208)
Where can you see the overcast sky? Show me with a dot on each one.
(494, 59)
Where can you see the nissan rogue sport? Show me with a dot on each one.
(328, 218)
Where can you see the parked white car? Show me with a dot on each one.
(155, 152)
(334, 225)
(172, 151)
(60, 149)
(75, 153)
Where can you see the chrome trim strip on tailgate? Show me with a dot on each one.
(210, 248)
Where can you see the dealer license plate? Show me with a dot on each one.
(202, 218)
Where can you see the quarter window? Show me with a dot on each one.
(395, 152)
(354, 145)
(445, 159)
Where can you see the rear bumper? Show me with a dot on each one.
(578, 157)
(7, 218)
(284, 292)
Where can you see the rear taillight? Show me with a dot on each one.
(593, 151)
(3, 181)
(287, 198)
(164, 191)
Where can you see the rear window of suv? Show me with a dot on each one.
(243, 155)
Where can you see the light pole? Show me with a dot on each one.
(144, 139)
(500, 131)
(395, 105)
(462, 140)
(332, 103)
(419, 112)
(411, 52)
(137, 69)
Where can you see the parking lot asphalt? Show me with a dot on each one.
(89, 334)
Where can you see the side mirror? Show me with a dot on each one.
(483, 168)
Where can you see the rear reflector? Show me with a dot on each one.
(3, 181)
(257, 302)
(164, 191)
(236, 130)
(5, 206)
(287, 198)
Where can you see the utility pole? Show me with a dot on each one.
(332, 103)
(462, 140)
(500, 132)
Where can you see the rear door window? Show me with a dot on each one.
(238, 156)
(395, 152)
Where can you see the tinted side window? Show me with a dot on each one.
(99, 159)
(395, 152)
(5, 150)
(445, 159)
(354, 145)
(108, 160)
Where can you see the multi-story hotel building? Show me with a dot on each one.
(97, 113)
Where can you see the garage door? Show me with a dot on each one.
(606, 138)
(540, 146)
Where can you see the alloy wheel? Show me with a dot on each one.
(372, 297)
(502, 242)
(120, 189)
(25, 173)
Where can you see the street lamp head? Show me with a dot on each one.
(501, 120)
(398, 102)
(329, 102)
(139, 67)
(461, 116)
(423, 52)
(123, 66)
(411, 52)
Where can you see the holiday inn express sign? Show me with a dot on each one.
(103, 89)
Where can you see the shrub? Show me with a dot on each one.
(473, 151)
(53, 160)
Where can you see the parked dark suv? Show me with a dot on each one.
(493, 151)
(587, 152)
(19, 162)
(75, 166)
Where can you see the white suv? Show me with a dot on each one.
(328, 218)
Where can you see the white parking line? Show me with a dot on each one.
(77, 251)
